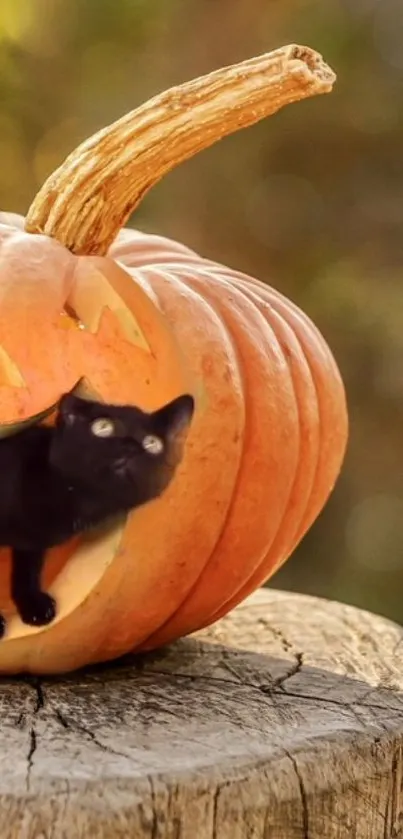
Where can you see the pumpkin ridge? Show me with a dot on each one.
(269, 299)
(257, 579)
(179, 280)
(280, 547)
(281, 305)
(311, 334)
(259, 301)
(243, 289)
(195, 280)
(326, 411)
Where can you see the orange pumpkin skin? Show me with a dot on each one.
(295, 424)
(262, 456)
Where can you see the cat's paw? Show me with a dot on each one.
(2, 626)
(39, 611)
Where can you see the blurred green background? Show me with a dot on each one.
(310, 200)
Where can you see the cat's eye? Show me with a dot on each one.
(103, 427)
(152, 444)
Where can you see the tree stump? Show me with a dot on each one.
(283, 721)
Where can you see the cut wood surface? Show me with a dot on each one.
(282, 721)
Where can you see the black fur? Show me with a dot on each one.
(60, 481)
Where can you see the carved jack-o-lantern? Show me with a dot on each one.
(141, 325)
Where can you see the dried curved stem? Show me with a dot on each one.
(88, 199)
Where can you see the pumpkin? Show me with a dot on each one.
(140, 319)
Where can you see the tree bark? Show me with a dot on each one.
(282, 721)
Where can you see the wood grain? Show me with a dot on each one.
(283, 721)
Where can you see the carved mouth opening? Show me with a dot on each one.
(71, 572)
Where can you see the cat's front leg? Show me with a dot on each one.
(34, 606)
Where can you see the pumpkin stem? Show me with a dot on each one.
(91, 195)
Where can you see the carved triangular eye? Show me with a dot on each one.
(103, 427)
(152, 444)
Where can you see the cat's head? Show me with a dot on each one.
(120, 449)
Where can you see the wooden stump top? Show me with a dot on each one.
(283, 721)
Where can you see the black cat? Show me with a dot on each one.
(97, 462)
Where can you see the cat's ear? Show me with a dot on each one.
(175, 416)
(68, 408)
